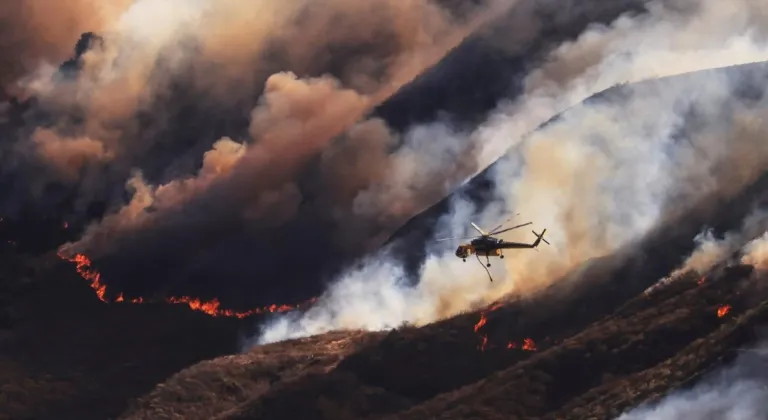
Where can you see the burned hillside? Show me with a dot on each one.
(248, 211)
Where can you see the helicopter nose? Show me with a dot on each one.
(461, 252)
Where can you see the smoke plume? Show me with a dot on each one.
(711, 250)
(737, 392)
(598, 177)
(35, 31)
(755, 252)
(230, 123)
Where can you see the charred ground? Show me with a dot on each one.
(93, 360)
(591, 346)
(651, 345)
(601, 345)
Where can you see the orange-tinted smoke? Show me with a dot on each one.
(212, 307)
(32, 31)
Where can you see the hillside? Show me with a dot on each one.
(172, 196)
(592, 345)
(602, 345)
(652, 345)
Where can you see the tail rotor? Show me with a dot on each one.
(539, 239)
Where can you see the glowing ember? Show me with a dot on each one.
(483, 343)
(723, 310)
(701, 280)
(213, 307)
(529, 345)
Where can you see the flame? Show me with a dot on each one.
(212, 307)
(529, 345)
(483, 319)
(723, 310)
(702, 280)
(481, 322)
(83, 267)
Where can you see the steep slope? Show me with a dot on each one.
(65, 354)
(654, 344)
(746, 82)
(620, 352)
(586, 346)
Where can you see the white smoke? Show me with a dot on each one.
(711, 250)
(740, 392)
(597, 178)
(755, 252)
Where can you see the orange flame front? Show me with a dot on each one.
(723, 310)
(483, 319)
(481, 322)
(212, 307)
(528, 343)
(83, 267)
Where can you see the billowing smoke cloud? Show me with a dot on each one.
(228, 120)
(755, 252)
(711, 250)
(600, 176)
(295, 121)
(35, 31)
(750, 242)
(68, 156)
(224, 52)
(735, 393)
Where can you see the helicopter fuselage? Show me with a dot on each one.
(485, 247)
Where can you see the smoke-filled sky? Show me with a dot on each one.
(232, 143)
(599, 177)
(229, 139)
(237, 149)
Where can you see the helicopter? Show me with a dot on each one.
(488, 246)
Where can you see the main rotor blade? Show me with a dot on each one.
(457, 239)
(493, 231)
(513, 227)
(478, 229)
